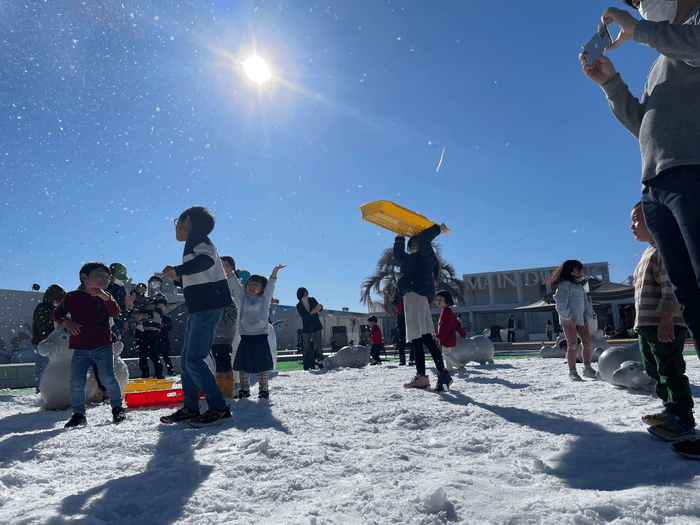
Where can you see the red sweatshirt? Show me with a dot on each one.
(93, 314)
(448, 326)
(376, 335)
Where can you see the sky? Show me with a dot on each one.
(515, 442)
(115, 118)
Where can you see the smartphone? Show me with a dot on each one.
(595, 46)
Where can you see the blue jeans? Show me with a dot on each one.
(82, 360)
(40, 363)
(196, 375)
(671, 205)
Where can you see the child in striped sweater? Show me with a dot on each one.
(662, 333)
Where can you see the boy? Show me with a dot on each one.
(375, 336)
(91, 338)
(207, 293)
(662, 334)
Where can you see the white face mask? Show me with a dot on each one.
(154, 285)
(658, 10)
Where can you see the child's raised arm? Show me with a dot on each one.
(273, 275)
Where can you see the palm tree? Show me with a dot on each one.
(386, 276)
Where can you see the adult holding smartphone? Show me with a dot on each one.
(666, 121)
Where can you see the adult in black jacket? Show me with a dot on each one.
(417, 287)
(311, 328)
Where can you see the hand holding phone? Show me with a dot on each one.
(596, 45)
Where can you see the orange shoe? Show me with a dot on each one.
(420, 381)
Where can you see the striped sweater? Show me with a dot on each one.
(203, 278)
(653, 294)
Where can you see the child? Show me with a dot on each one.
(662, 332)
(206, 295)
(91, 338)
(574, 314)
(417, 292)
(151, 320)
(448, 328)
(225, 334)
(377, 340)
(43, 324)
(253, 355)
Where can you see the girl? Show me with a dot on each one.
(253, 355)
(418, 291)
(574, 314)
(549, 329)
(448, 327)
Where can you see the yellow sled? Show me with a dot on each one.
(395, 218)
(148, 385)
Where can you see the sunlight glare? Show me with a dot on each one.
(257, 69)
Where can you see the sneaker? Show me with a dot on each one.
(690, 448)
(673, 429)
(118, 415)
(420, 381)
(445, 379)
(263, 394)
(210, 417)
(589, 373)
(573, 375)
(461, 370)
(376, 363)
(76, 420)
(655, 419)
(242, 394)
(179, 416)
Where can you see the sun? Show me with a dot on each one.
(257, 69)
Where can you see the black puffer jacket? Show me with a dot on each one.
(417, 268)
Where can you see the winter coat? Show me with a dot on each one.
(417, 268)
(309, 323)
(42, 322)
(448, 327)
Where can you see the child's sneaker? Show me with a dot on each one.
(242, 394)
(76, 420)
(179, 416)
(263, 394)
(210, 417)
(573, 375)
(655, 419)
(690, 448)
(420, 381)
(589, 373)
(673, 429)
(118, 415)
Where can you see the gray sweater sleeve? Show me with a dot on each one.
(675, 41)
(625, 106)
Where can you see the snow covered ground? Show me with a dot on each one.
(514, 442)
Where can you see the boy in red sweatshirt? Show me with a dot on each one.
(85, 314)
(448, 328)
(375, 336)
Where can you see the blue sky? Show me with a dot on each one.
(114, 119)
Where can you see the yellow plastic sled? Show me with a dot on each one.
(148, 385)
(395, 218)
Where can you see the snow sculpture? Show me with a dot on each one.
(477, 348)
(55, 380)
(622, 366)
(348, 356)
(548, 351)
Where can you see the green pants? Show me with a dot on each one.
(665, 363)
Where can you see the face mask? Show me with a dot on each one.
(154, 285)
(658, 10)
(411, 251)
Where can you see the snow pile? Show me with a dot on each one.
(513, 442)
